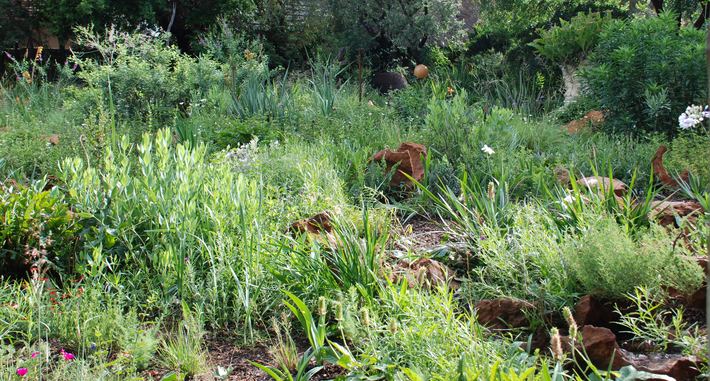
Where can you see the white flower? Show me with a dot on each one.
(692, 116)
(569, 199)
(487, 149)
(685, 121)
(591, 182)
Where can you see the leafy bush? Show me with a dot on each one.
(609, 263)
(526, 263)
(689, 151)
(37, 228)
(571, 40)
(141, 74)
(646, 72)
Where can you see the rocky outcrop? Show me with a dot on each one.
(659, 172)
(666, 211)
(408, 158)
(588, 122)
(387, 81)
(601, 185)
(502, 313)
(424, 272)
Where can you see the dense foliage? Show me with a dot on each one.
(646, 72)
(148, 196)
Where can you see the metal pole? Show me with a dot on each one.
(359, 66)
(707, 279)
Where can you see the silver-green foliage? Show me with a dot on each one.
(187, 222)
(609, 263)
(141, 74)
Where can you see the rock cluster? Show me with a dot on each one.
(409, 158)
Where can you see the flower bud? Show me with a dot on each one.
(338, 311)
(365, 316)
(321, 305)
(556, 344)
(392, 326)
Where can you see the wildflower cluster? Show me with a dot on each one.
(692, 116)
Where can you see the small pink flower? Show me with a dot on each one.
(34, 354)
(21, 371)
(67, 355)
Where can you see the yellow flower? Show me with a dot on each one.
(249, 55)
(27, 76)
(39, 53)
(450, 90)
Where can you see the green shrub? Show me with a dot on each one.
(37, 228)
(142, 75)
(689, 151)
(609, 263)
(646, 72)
(526, 263)
(571, 40)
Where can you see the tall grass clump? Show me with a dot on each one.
(195, 227)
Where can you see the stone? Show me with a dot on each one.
(659, 172)
(319, 223)
(680, 368)
(512, 313)
(590, 311)
(593, 182)
(410, 157)
(600, 344)
(590, 121)
(426, 273)
(666, 211)
(387, 81)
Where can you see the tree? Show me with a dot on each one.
(399, 29)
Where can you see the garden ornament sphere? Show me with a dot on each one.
(421, 71)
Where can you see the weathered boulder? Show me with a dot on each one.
(511, 312)
(591, 311)
(409, 156)
(601, 184)
(600, 345)
(680, 368)
(588, 122)
(424, 272)
(666, 211)
(387, 81)
(659, 172)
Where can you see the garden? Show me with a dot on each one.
(519, 199)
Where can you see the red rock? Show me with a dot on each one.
(593, 182)
(590, 121)
(659, 172)
(590, 311)
(512, 312)
(683, 368)
(599, 345)
(319, 223)
(666, 211)
(409, 156)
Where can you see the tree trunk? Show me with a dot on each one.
(573, 84)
